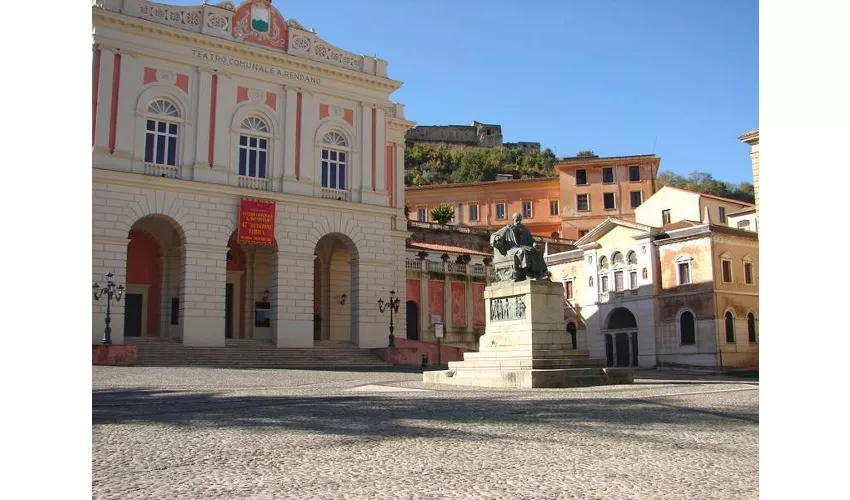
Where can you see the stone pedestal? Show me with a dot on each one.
(526, 344)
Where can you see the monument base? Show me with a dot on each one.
(526, 345)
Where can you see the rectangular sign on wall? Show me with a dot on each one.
(256, 222)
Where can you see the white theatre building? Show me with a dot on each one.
(205, 115)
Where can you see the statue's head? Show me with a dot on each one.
(517, 217)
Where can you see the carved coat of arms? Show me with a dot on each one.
(260, 18)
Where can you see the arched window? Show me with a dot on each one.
(161, 133)
(632, 257)
(617, 259)
(751, 327)
(603, 263)
(334, 161)
(730, 327)
(254, 148)
(687, 328)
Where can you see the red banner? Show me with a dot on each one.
(256, 222)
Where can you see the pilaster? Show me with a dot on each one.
(204, 275)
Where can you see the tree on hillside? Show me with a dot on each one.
(443, 214)
(703, 182)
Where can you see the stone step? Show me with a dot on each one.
(531, 353)
(517, 363)
(519, 378)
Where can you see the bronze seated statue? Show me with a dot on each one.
(516, 256)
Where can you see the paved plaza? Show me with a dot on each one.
(205, 433)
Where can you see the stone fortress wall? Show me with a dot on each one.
(478, 134)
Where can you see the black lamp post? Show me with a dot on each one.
(110, 290)
(392, 305)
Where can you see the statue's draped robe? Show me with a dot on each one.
(515, 240)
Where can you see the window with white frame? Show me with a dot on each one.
(608, 201)
(617, 259)
(633, 280)
(253, 147)
(500, 210)
(632, 257)
(726, 269)
(683, 267)
(568, 288)
(422, 214)
(526, 209)
(743, 224)
(582, 204)
(473, 211)
(748, 272)
(161, 133)
(603, 274)
(618, 281)
(553, 207)
(603, 283)
(334, 161)
(636, 198)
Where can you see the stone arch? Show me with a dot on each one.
(337, 222)
(620, 318)
(153, 276)
(246, 109)
(160, 204)
(156, 91)
(335, 125)
(338, 260)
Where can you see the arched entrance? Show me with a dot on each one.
(412, 320)
(336, 299)
(247, 290)
(621, 346)
(154, 258)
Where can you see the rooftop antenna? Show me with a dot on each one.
(653, 144)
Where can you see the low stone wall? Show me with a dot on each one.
(409, 353)
(114, 355)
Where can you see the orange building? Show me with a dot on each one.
(587, 191)
(491, 204)
(593, 189)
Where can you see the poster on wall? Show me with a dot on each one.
(256, 222)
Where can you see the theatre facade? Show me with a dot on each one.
(247, 178)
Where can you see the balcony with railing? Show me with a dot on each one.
(158, 170)
(260, 183)
(479, 270)
(413, 264)
(336, 194)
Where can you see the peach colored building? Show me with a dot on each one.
(594, 189)
(491, 204)
(587, 191)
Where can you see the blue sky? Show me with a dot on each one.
(675, 77)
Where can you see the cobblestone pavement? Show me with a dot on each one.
(203, 433)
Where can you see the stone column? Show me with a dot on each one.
(204, 275)
(380, 152)
(202, 143)
(366, 147)
(104, 99)
(291, 297)
(424, 314)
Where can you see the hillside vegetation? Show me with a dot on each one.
(439, 163)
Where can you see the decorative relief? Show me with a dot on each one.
(507, 308)
(335, 110)
(390, 111)
(217, 22)
(256, 95)
(301, 43)
(165, 76)
(179, 17)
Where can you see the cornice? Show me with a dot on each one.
(113, 19)
(212, 189)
